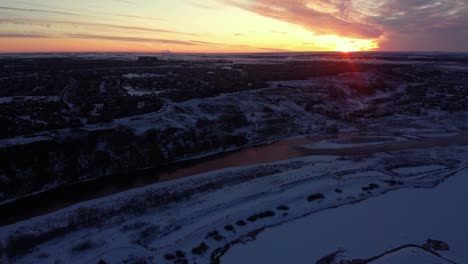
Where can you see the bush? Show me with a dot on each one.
(241, 223)
(370, 187)
(229, 228)
(282, 208)
(218, 237)
(212, 234)
(315, 197)
(261, 215)
(252, 218)
(180, 254)
(391, 182)
(82, 246)
(436, 245)
(169, 257)
(200, 249)
(215, 235)
(147, 235)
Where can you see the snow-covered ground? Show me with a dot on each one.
(463, 68)
(139, 92)
(141, 75)
(9, 99)
(370, 228)
(218, 210)
(351, 141)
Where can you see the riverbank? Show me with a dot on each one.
(66, 195)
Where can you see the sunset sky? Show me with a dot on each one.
(232, 25)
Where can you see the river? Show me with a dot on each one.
(67, 195)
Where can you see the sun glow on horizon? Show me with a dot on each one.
(341, 44)
(176, 32)
(228, 26)
(352, 45)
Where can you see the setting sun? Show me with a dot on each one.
(349, 45)
(336, 43)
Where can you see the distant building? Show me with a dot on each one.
(147, 59)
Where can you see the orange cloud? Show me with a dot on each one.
(328, 18)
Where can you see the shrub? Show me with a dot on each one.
(241, 223)
(212, 234)
(261, 215)
(147, 235)
(268, 213)
(391, 182)
(282, 208)
(200, 249)
(180, 254)
(218, 237)
(436, 245)
(315, 197)
(169, 256)
(252, 218)
(229, 228)
(215, 235)
(82, 246)
(370, 187)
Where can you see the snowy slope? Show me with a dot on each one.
(370, 228)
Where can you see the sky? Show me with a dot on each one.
(230, 26)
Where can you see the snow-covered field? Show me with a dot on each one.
(352, 142)
(294, 200)
(139, 92)
(370, 228)
(9, 99)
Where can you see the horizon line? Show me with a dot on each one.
(227, 53)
